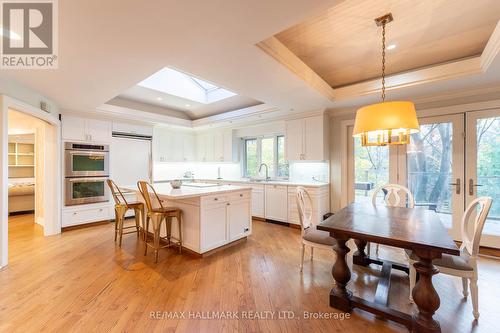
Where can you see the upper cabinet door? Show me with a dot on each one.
(98, 130)
(314, 139)
(188, 151)
(294, 136)
(73, 128)
(219, 147)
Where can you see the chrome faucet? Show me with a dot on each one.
(267, 170)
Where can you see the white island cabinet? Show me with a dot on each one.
(212, 216)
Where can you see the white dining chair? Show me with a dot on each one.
(394, 196)
(465, 265)
(310, 235)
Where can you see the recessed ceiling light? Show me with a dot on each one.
(188, 105)
(159, 98)
(391, 46)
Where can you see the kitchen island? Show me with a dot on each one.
(213, 215)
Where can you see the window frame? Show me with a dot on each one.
(259, 139)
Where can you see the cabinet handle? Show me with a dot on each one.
(241, 195)
(215, 199)
(228, 204)
(74, 213)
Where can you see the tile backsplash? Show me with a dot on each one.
(299, 171)
(169, 171)
(305, 171)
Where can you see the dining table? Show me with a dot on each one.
(417, 229)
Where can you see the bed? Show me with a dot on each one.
(21, 195)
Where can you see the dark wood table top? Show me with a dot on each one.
(408, 228)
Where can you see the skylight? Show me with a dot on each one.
(173, 82)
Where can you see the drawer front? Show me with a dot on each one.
(247, 195)
(214, 199)
(85, 216)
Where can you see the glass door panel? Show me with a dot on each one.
(371, 169)
(434, 168)
(483, 168)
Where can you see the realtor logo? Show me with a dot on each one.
(29, 34)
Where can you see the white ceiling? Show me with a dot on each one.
(193, 109)
(106, 47)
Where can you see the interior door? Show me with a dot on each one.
(483, 167)
(434, 163)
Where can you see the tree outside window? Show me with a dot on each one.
(269, 150)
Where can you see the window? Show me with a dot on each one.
(269, 150)
(173, 82)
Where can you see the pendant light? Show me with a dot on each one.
(385, 123)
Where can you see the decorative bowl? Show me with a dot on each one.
(176, 183)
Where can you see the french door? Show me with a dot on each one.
(451, 161)
(433, 165)
(483, 168)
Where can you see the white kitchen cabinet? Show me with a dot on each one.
(276, 197)
(98, 130)
(84, 129)
(224, 218)
(294, 136)
(134, 129)
(73, 128)
(306, 139)
(188, 147)
(172, 146)
(91, 213)
(216, 147)
(320, 198)
(258, 201)
(239, 218)
(214, 225)
(205, 147)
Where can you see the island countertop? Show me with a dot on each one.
(166, 191)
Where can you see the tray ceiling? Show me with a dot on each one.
(343, 45)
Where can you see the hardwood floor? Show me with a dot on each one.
(80, 281)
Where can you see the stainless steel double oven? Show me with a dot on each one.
(86, 172)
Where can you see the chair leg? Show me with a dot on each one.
(168, 221)
(302, 248)
(376, 250)
(312, 252)
(120, 217)
(465, 289)
(137, 221)
(146, 236)
(156, 231)
(474, 294)
(413, 279)
(179, 221)
(368, 248)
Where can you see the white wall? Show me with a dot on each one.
(25, 94)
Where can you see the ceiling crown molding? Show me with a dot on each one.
(445, 71)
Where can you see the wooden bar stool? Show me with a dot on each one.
(157, 216)
(121, 208)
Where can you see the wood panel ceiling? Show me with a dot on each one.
(343, 45)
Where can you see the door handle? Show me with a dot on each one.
(457, 186)
(472, 185)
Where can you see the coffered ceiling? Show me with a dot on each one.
(107, 47)
(343, 44)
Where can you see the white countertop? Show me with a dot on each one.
(271, 182)
(165, 191)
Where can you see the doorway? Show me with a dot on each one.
(36, 165)
(452, 160)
